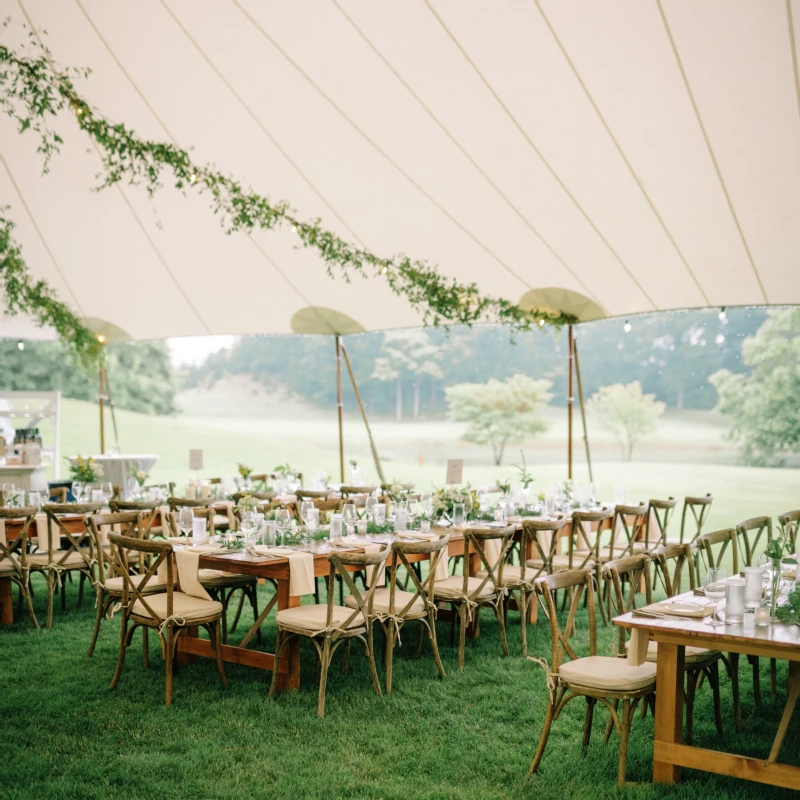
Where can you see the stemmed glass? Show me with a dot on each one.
(414, 510)
(108, 491)
(307, 512)
(186, 520)
(283, 523)
(370, 504)
(426, 503)
(77, 491)
(8, 494)
(349, 518)
(715, 591)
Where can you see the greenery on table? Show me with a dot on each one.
(244, 471)
(35, 93)
(282, 470)
(525, 477)
(444, 499)
(790, 610)
(776, 551)
(232, 543)
(385, 527)
(528, 512)
(139, 475)
(84, 470)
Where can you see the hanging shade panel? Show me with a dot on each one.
(609, 158)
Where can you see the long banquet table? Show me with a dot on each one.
(778, 640)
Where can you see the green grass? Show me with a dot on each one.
(471, 735)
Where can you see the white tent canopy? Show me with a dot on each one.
(639, 155)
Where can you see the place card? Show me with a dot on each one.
(455, 470)
(195, 459)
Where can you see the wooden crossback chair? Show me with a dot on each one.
(312, 494)
(394, 607)
(467, 594)
(150, 511)
(79, 556)
(325, 507)
(260, 482)
(669, 561)
(585, 544)
(169, 612)
(356, 491)
(108, 588)
(14, 555)
(788, 524)
(263, 496)
(749, 533)
(607, 680)
(327, 626)
(57, 494)
(693, 518)
(659, 515)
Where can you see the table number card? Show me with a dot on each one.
(455, 468)
(195, 459)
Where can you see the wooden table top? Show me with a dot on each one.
(777, 640)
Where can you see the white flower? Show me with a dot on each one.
(141, 475)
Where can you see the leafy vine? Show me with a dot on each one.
(35, 92)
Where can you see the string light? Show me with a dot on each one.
(722, 315)
(720, 338)
(101, 338)
(384, 270)
(541, 323)
(193, 178)
(626, 327)
(21, 346)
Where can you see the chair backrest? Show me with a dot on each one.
(578, 581)
(132, 525)
(237, 496)
(309, 494)
(422, 588)
(339, 563)
(79, 542)
(58, 494)
(658, 519)
(348, 491)
(789, 523)
(149, 510)
(584, 543)
(325, 507)
(544, 534)
(633, 570)
(628, 525)
(668, 563)
(749, 534)
(694, 516)
(475, 542)
(161, 552)
(204, 513)
(16, 551)
(175, 503)
(260, 481)
(277, 476)
(725, 538)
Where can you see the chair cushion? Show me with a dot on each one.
(7, 567)
(221, 521)
(613, 674)
(452, 588)
(218, 578)
(312, 618)
(114, 585)
(512, 576)
(380, 602)
(693, 654)
(183, 605)
(42, 559)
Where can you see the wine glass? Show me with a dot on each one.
(108, 491)
(307, 512)
(349, 518)
(77, 491)
(186, 520)
(370, 505)
(8, 494)
(282, 522)
(426, 503)
(715, 591)
(414, 510)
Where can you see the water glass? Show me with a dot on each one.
(715, 591)
(77, 490)
(424, 525)
(549, 504)
(369, 506)
(35, 499)
(400, 520)
(268, 532)
(97, 496)
(336, 526)
(349, 518)
(380, 514)
(426, 503)
(734, 599)
(753, 578)
(458, 513)
(199, 530)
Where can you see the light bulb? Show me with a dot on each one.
(720, 338)
(541, 323)
(626, 327)
(21, 346)
(101, 338)
(722, 315)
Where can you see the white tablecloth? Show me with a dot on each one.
(117, 468)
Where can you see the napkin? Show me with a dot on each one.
(3, 532)
(188, 563)
(301, 567)
(205, 548)
(640, 642)
(696, 611)
(45, 534)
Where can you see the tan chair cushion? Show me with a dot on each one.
(312, 618)
(7, 567)
(114, 585)
(561, 562)
(183, 605)
(693, 654)
(612, 674)
(221, 521)
(42, 559)
(380, 602)
(216, 578)
(512, 576)
(452, 588)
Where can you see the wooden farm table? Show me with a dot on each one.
(779, 640)
(277, 569)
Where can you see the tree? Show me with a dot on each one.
(410, 354)
(763, 405)
(500, 412)
(627, 413)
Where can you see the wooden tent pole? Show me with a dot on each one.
(570, 402)
(363, 414)
(102, 407)
(111, 409)
(583, 409)
(340, 404)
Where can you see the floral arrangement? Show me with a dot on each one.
(776, 551)
(248, 503)
(445, 499)
(790, 612)
(504, 486)
(525, 478)
(85, 470)
(139, 475)
(244, 470)
(282, 470)
(396, 492)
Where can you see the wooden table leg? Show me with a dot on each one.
(6, 602)
(794, 689)
(669, 708)
(291, 653)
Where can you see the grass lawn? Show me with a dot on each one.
(471, 735)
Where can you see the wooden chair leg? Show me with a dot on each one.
(238, 614)
(587, 725)
(50, 590)
(548, 722)
(30, 607)
(64, 592)
(453, 612)
(254, 604)
(217, 639)
(625, 725)
(273, 685)
(420, 634)
(713, 679)
(462, 633)
(523, 604)
(434, 643)
(80, 589)
(733, 670)
(123, 628)
(390, 634)
(754, 663)
(498, 610)
(610, 724)
(145, 647)
(372, 668)
(323, 675)
(346, 660)
(170, 660)
(691, 691)
(102, 607)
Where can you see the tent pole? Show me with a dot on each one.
(340, 404)
(363, 414)
(102, 408)
(583, 410)
(111, 409)
(570, 402)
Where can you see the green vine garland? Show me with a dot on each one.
(35, 91)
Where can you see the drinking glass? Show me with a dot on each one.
(108, 491)
(426, 503)
(77, 491)
(483, 499)
(44, 492)
(283, 522)
(185, 520)
(306, 509)
(249, 524)
(349, 518)
(458, 513)
(380, 513)
(8, 495)
(414, 510)
(715, 591)
(370, 506)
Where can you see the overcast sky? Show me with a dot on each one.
(194, 349)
